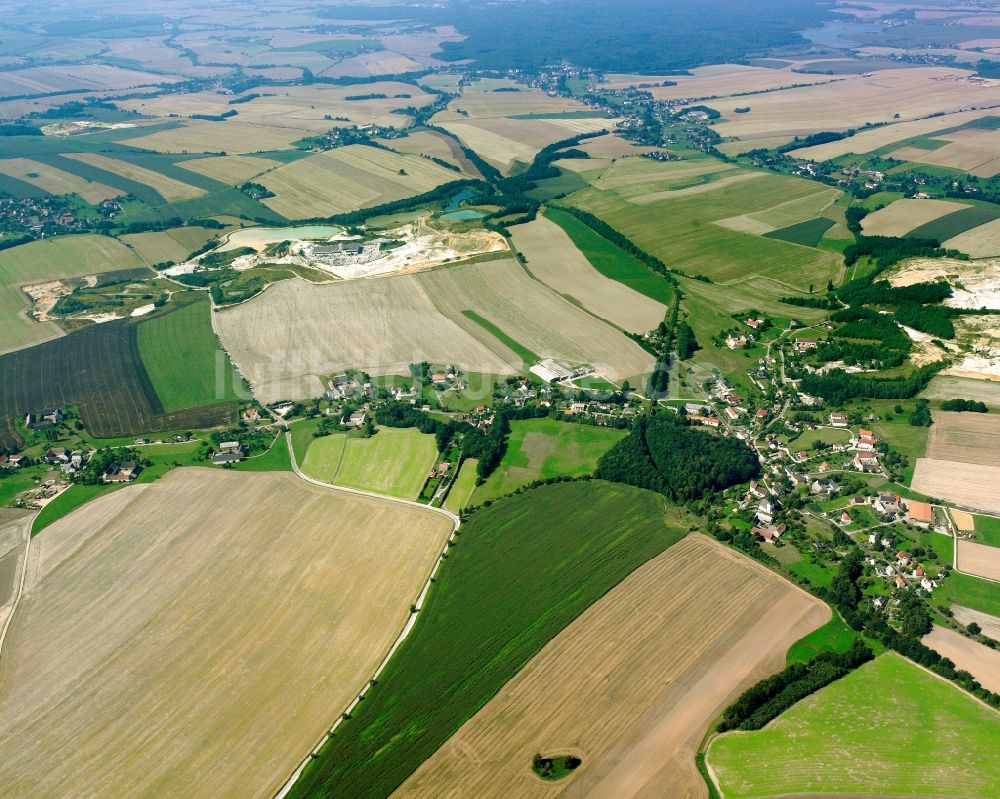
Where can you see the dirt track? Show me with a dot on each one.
(631, 685)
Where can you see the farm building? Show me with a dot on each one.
(919, 513)
(124, 472)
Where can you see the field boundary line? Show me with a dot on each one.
(415, 609)
(20, 584)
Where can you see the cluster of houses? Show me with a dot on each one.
(901, 570)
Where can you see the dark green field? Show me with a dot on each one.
(610, 260)
(185, 363)
(807, 233)
(521, 570)
(956, 222)
(99, 370)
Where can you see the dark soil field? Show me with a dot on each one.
(98, 370)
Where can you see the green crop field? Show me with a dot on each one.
(807, 233)
(834, 636)
(461, 490)
(543, 448)
(950, 225)
(680, 230)
(521, 570)
(50, 259)
(988, 530)
(968, 591)
(887, 729)
(394, 461)
(323, 457)
(185, 363)
(610, 260)
(523, 352)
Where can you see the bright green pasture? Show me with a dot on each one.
(988, 530)
(541, 448)
(323, 456)
(186, 364)
(461, 490)
(888, 729)
(394, 461)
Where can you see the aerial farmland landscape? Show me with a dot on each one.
(464, 399)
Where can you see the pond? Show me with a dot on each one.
(465, 213)
(459, 198)
(258, 237)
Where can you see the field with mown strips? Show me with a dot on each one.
(286, 338)
(394, 461)
(165, 186)
(231, 169)
(632, 684)
(348, 178)
(541, 448)
(520, 572)
(979, 559)
(44, 260)
(926, 732)
(55, 181)
(175, 244)
(210, 606)
(219, 137)
(554, 259)
(185, 363)
(700, 199)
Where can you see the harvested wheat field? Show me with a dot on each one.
(196, 636)
(231, 169)
(533, 315)
(981, 241)
(911, 92)
(56, 181)
(631, 686)
(295, 332)
(167, 187)
(980, 661)
(555, 260)
(974, 151)
(967, 437)
(349, 178)
(220, 137)
(15, 525)
(981, 560)
(990, 624)
(964, 520)
(967, 484)
(902, 216)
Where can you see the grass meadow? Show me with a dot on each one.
(323, 457)
(519, 572)
(543, 448)
(394, 461)
(888, 728)
(184, 361)
(461, 490)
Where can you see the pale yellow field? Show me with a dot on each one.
(868, 140)
(480, 104)
(206, 610)
(978, 154)
(980, 661)
(902, 216)
(167, 187)
(88, 77)
(502, 141)
(555, 260)
(979, 559)
(968, 437)
(964, 520)
(631, 685)
(175, 244)
(219, 137)
(231, 169)
(533, 315)
(982, 241)
(15, 525)
(946, 387)
(349, 178)
(424, 142)
(56, 181)
(966, 484)
(911, 93)
(718, 80)
(294, 332)
(381, 62)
